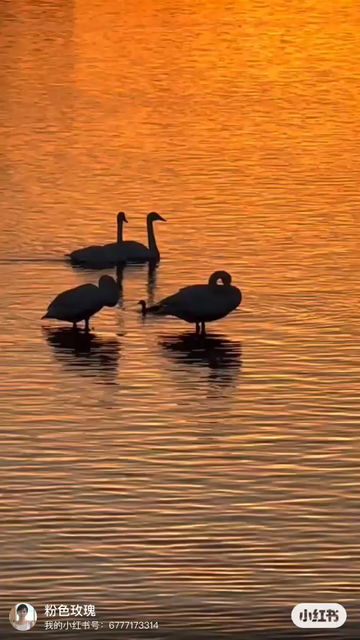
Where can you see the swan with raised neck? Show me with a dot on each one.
(151, 218)
(121, 218)
(132, 251)
(100, 254)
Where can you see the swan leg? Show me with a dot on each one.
(74, 326)
(197, 330)
(203, 331)
(87, 328)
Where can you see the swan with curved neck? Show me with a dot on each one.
(101, 254)
(80, 303)
(132, 251)
(199, 303)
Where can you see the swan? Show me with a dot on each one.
(101, 254)
(80, 303)
(131, 251)
(199, 303)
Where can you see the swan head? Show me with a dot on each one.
(224, 276)
(109, 291)
(142, 304)
(155, 216)
(121, 217)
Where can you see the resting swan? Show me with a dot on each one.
(200, 303)
(84, 301)
(131, 251)
(101, 254)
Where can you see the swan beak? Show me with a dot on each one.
(125, 220)
(161, 218)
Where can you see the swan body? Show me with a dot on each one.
(84, 301)
(101, 254)
(132, 251)
(200, 303)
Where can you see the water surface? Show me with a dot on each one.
(208, 486)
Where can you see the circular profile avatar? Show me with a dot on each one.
(23, 616)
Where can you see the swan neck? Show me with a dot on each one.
(151, 237)
(120, 231)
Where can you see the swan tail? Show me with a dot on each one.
(155, 308)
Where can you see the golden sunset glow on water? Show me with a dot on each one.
(210, 488)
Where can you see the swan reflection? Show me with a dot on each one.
(119, 279)
(99, 266)
(218, 354)
(93, 355)
(151, 282)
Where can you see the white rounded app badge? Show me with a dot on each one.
(319, 615)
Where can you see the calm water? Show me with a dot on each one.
(208, 487)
